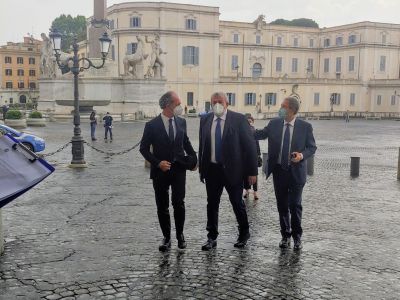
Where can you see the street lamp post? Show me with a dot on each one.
(78, 159)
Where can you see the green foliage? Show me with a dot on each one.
(302, 22)
(35, 115)
(14, 114)
(70, 27)
(28, 105)
(191, 111)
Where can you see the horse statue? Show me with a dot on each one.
(133, 63)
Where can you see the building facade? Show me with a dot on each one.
(353, 67)
(20, 67)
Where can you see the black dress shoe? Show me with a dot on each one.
(242, 240)
(284, 243)
(181, 242)
(209, 245)
(298, 245)
(165, 245)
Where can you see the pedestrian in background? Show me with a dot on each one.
(347, 116)
(93, 125)
(246, 184)
(4, 109)
(108, 126)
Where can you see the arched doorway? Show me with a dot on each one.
(257, 69)
(22, 99)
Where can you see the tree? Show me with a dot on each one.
(302, 22)
(70, 27)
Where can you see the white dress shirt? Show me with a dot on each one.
(214, 124)
(291, 128)
(165, 120)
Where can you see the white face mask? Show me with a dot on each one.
(218, 109)
(178, 110)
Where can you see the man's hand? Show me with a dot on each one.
(165, 166)
(252, 180)
(297, 157)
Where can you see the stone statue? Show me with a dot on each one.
(133, 63)
(260, 21)
(47, 62)
(156, 64)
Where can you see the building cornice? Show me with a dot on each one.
(170, 32)
(162, 6)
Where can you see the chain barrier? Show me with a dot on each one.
(112, 153)
(94, 148)
(57, 151)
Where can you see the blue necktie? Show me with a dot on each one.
(285, 148)
(218, 142)
(171, 131)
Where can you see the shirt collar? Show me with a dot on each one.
(165, 118)
(223, 117)
(291, 122)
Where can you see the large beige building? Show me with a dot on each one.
(257, 64)
(19, 66)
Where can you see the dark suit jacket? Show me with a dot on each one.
(155, 134)
(302, 141)
(238, 148)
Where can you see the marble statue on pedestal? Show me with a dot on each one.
(133, 63)
(47, 62)
(156, 65)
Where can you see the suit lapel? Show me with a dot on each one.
(226, 125)
(295, 130)
(207, 134)
(161, 127)
(179, 131)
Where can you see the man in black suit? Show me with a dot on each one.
(227, 154)
(290, 143)
(171, 156)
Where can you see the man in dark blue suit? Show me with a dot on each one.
(290, 143)
(227, 154)
(171, 156)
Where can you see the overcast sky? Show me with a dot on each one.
(18, 17)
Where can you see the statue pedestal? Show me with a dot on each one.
(113, 94)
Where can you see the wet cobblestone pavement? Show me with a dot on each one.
(93, 233)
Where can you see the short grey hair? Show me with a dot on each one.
(165, 99)
(294, 104)
(219, 95)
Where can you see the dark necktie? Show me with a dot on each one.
(285, 148)
(171, 131)
(218, 142)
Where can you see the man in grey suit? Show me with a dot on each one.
(290, 143)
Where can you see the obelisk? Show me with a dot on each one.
(97, 29)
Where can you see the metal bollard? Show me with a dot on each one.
(355, 166)
(398, 167)
(1, 235)
(310, 166)
(265, 163)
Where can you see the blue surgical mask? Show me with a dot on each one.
(283, 113)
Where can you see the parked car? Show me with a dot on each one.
(203, 113)
(32, 142)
